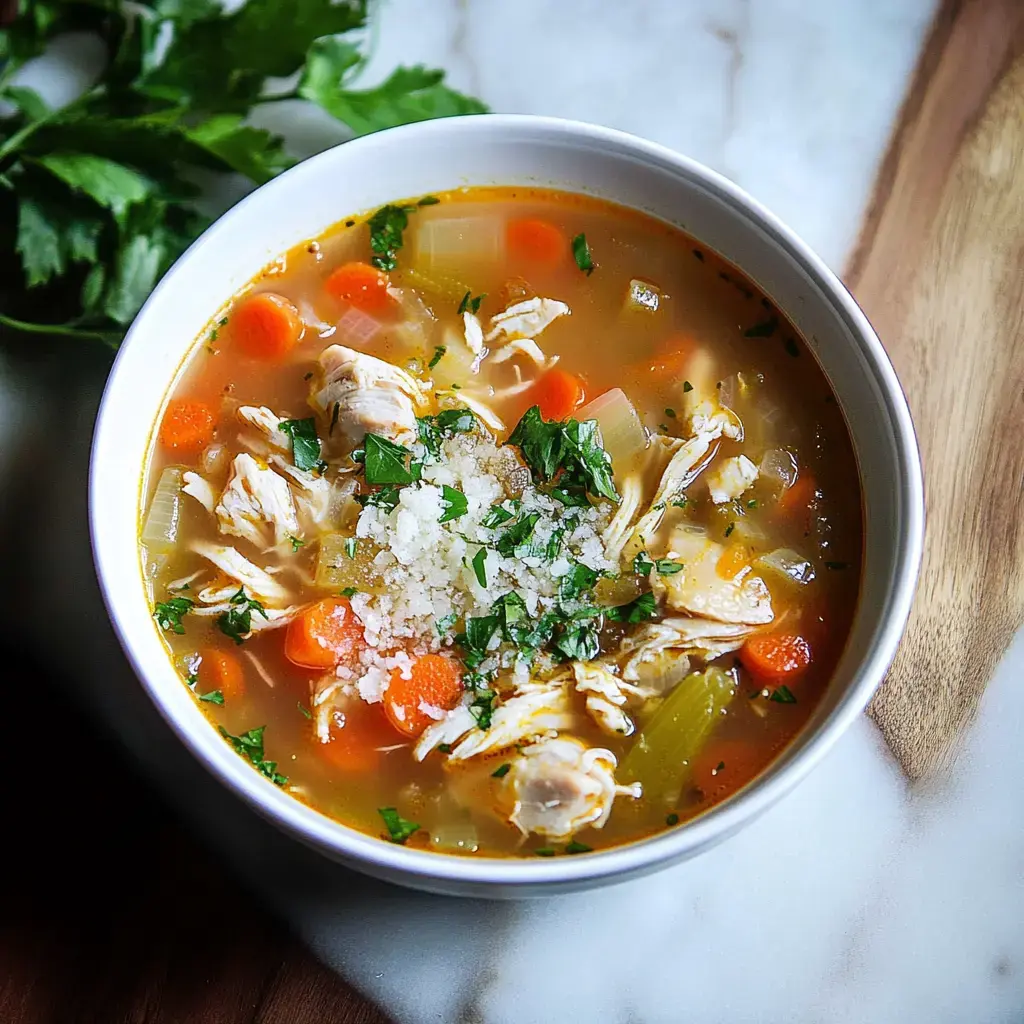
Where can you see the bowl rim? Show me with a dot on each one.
(449, 871)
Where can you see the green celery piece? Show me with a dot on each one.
(663, 752)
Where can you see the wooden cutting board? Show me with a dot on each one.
(940, 273)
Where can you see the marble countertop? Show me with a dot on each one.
(856, 897)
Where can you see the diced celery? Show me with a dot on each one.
(642, 297)
(662, 755)
(443, 245)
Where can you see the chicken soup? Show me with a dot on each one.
(503, 522)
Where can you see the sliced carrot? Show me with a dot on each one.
(800, 498)
(324, 635)
(776, 657)
(726, 764)
(357, 736)
(187, 425)
(671, 358)
(558, 393)
(266, 326)
(434, 682)
(732, 561)
(221, 670)
(363, 286)
(537, 241)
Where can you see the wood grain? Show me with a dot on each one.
(110, 912)
(940, 272)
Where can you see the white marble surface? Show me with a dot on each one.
(854, 899)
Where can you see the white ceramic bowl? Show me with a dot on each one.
(508, 150)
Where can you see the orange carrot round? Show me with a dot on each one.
(324, 634)
(726, 764)
(671, 358)
(221, 670)
(776, 657)
(266, 326)
(537, 241)
(434, 682)
(558, 393)
(732, 561)
(801, 497)
(187, 426)
(356, 740)
(362, 286)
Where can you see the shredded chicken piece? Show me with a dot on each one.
(360, 394)
(257, 504)
(195, 486)
(699, 589)
(449, 729)
(709, 416)
(268, 423)
(607, 696)
(617, 530)
(559, 786)
(650, 654)
(525, 319)
(526, 347)
(257, 581)
(728, 481)
(311, 492)
(474, 333)
(486, 414)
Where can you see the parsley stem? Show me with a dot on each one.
(110, 338)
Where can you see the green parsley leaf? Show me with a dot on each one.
(438, 355)
(236, 622)
(388, 463)
(386, 230)
(482, 707)
(386, 498)
(501, 771)
(671, 819)
(729, 529)
(581, 253)
(428, 201)
(212, 697)
(479, 631)
(670, 413)
(469, 304)
(455, 502)
(498, 515)
(296, 543)
(351, 543)
(575, 498)
(764, 329)
(349, 592)
(540, 441)
(306, 446)
(592, 461)
(446, 622)
(668, 568)
(752, 503)
(545, 851)
(433, 430)
(399, 828)
(250, 745)
(642, 565)
(575, 847)
(443, 748)
(168, 614)
(640, 610)
(305, 711)
(517, 535)
(578, 580)
(580, 641)
(479, 566)
(783, 695)
(791, 347)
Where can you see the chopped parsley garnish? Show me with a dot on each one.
(670, 413)
(720, 767)
(501, 771)
(576, 847)
(438, 355)
(642, 565)
(687, 387)
(546, 851)
(480, 567)
(236, 622)
(580, 640)
(335, 412)
(477, 637)
(212, 697)
(671, 819)
(579, 579)
(446, 622)
(469, 304)
(386, 228)
(640, 610)
(510, 611)
(433, 430)
(791, 348)
(349, 592)
(569, 450)
(752, 503)
(350, 546)
(399, 828)
(764, 329)
(168, 613)
(250, 745)
(455, 502)
(666, 567)
(729, 529)
(680, 502)
(302, 707)
(306, 447)
(498, 515)
(386, 498)
(783, 695)
(482, 707)
(575, 498)
(428, 201)
(581, 253)
(443, 748)
(515, 538)
(837, 565)
(296, 543)
(388, 463)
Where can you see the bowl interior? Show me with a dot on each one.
(511, 150)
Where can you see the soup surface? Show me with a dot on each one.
(503, 522)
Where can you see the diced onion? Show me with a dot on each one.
(459, 834)
(337, 569)
(789, 564)
(213, 459)
(356, 328)
(779, 467)
(160, 532)
(622, 433)
(642, 297)
(447, 244)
